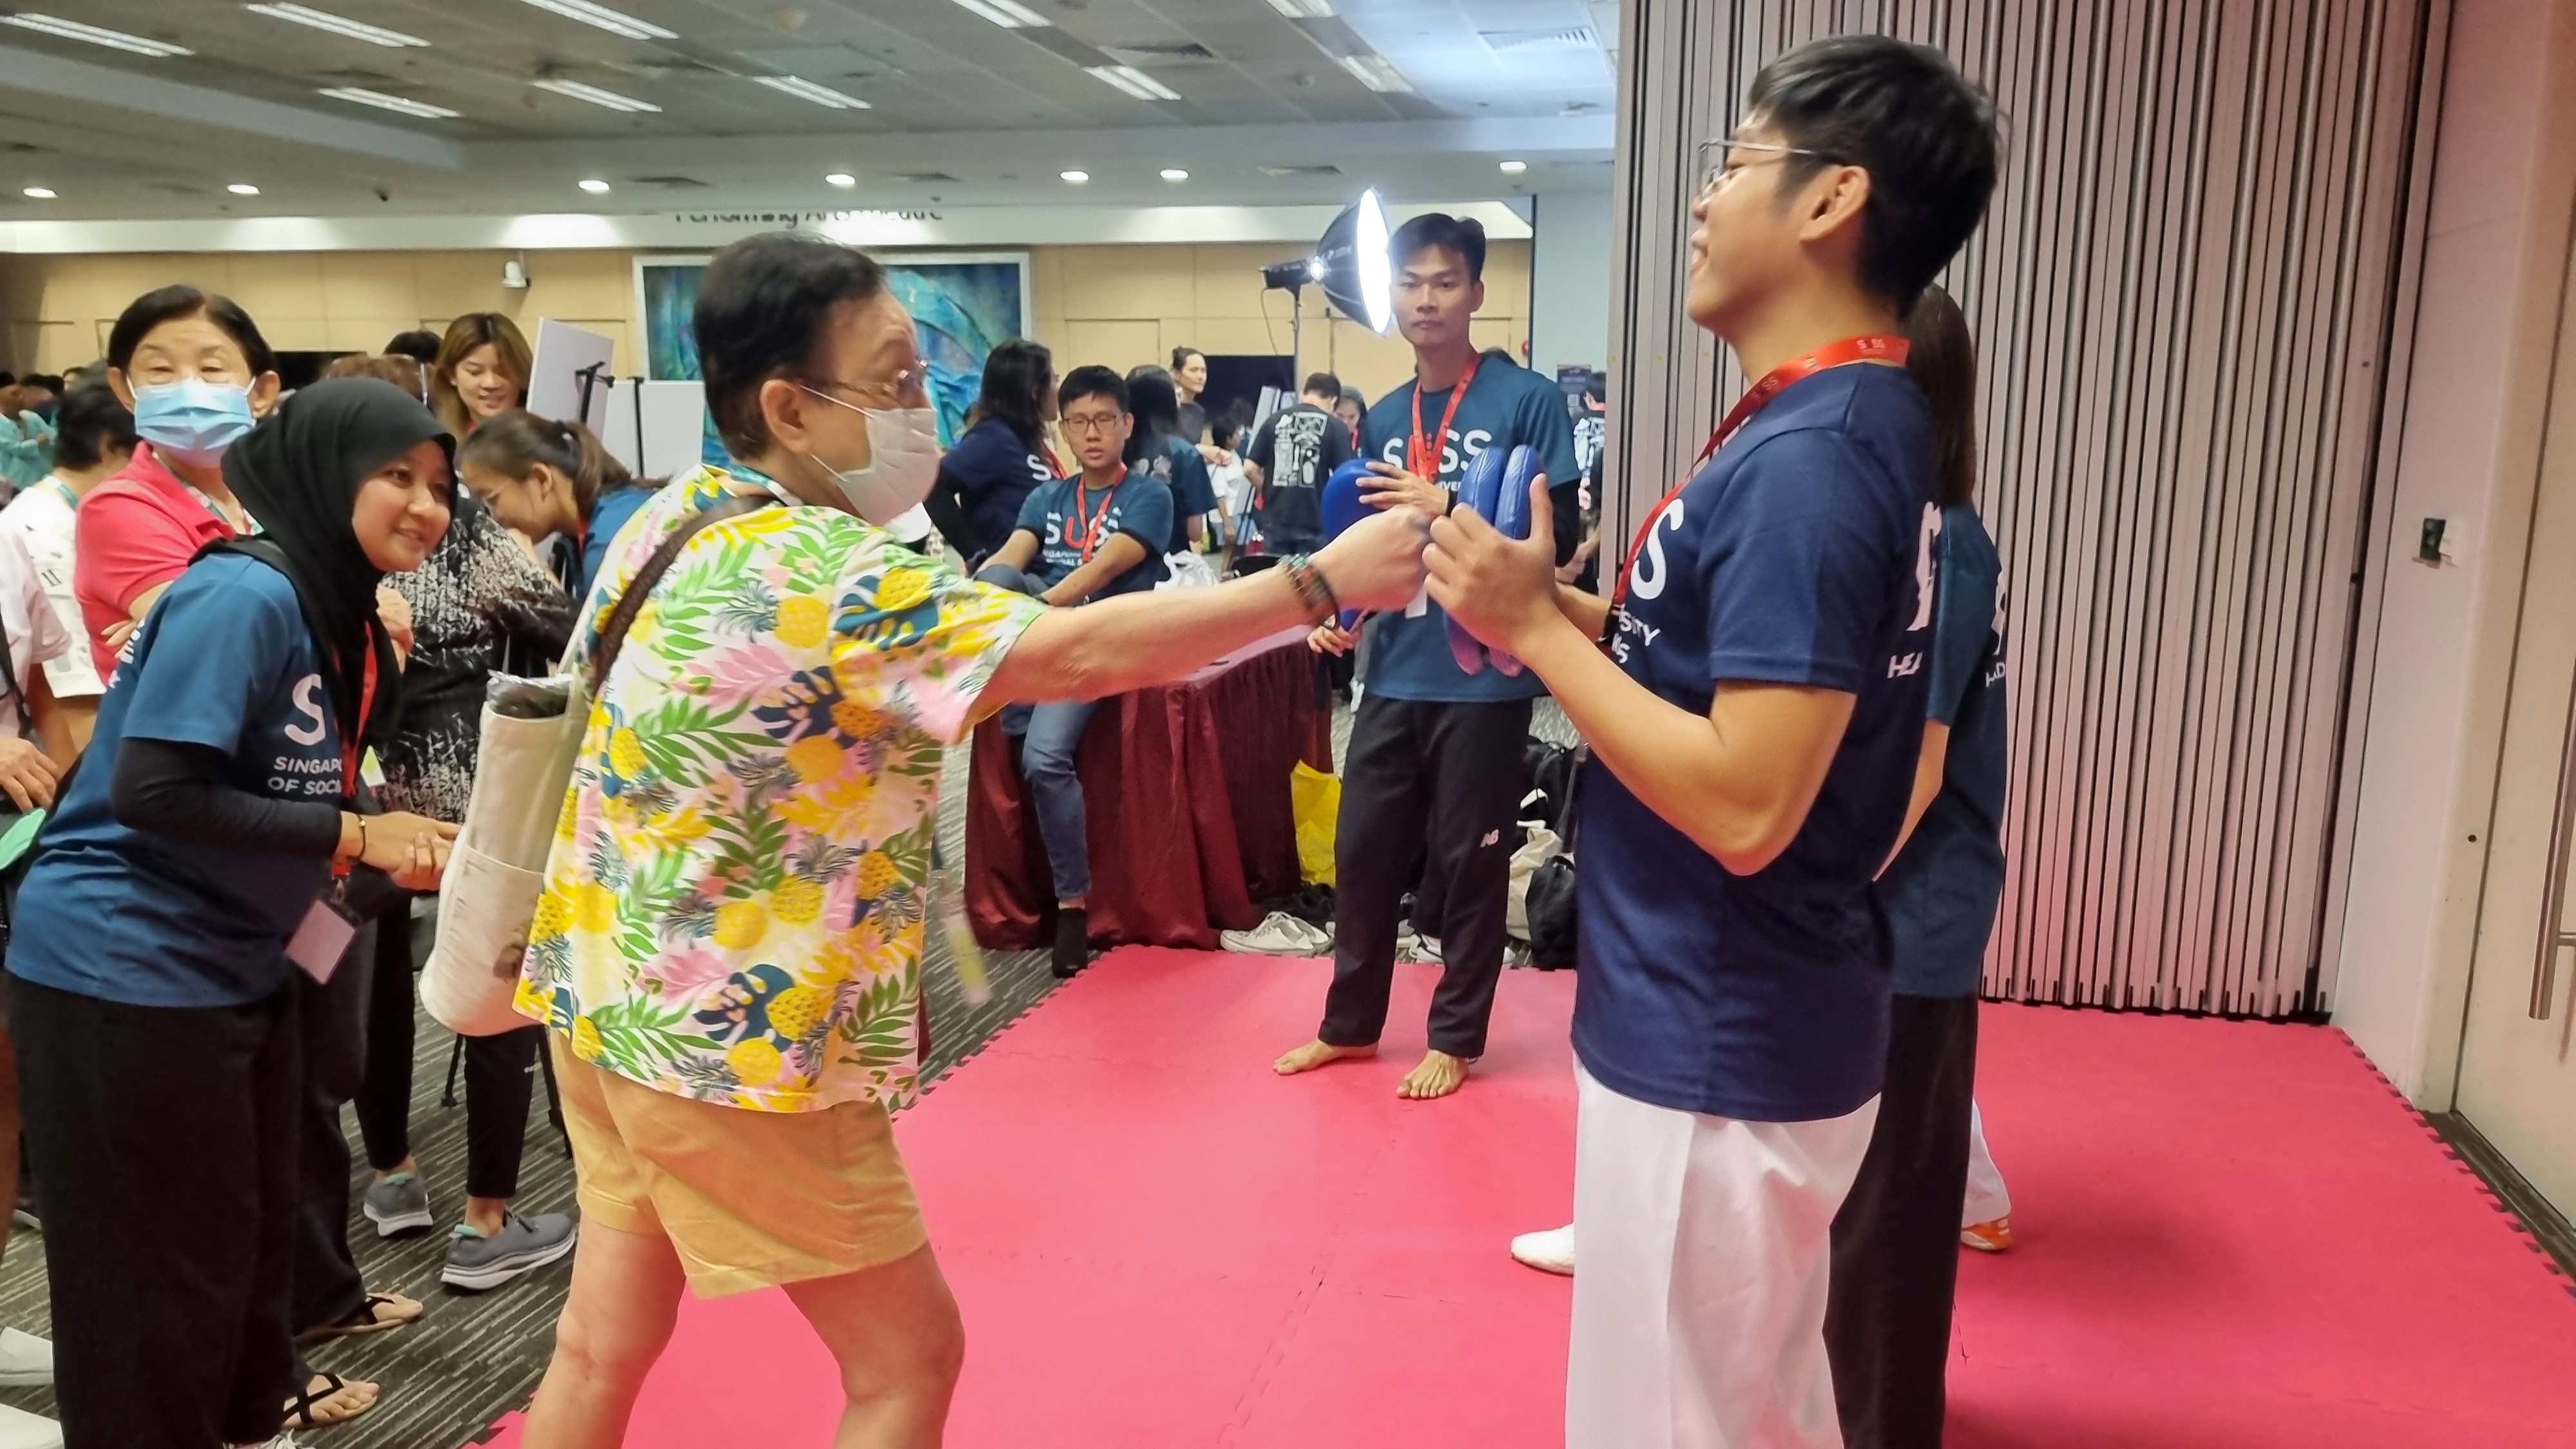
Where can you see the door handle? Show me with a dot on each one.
(2553, 895)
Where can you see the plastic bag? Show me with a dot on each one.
(1317, 800)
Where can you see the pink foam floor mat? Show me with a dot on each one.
(2232, 1234)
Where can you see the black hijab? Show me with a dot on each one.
(298, 473)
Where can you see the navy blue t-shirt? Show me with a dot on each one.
(1803, 553)
(124, 915)
(1176, 464)
(995, 471)
(1942, 889)
(1062, 512)
(1505, 407)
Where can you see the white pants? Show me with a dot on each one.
(1987, 1199)
(1699, 1313)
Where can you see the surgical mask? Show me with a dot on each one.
(192, 420)
(903, 461)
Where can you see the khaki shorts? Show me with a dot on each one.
(748, 1199)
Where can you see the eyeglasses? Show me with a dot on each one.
(1716, 165)
(1090, 423)
(909, 389)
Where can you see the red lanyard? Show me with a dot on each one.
(1424, 458)
(1091, 521)
(1870, 347)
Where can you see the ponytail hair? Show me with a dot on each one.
(513, 443)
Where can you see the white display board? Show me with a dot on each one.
(564, 353)
(655, 428)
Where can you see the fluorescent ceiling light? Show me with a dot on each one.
(842, 178)
(1303, 9)
(242, 188)
(592, 184)
(1076, 177)
(1008, 14)
(38, 193)
(338, 25)
(805, 90)
(1134, 82)
(1514, 168)
(615, 22)
(399, 104)
(593, 94)
(1174, 173)
(95, 35)
(1376, 72)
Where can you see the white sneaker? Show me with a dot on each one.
(1424, 948)
(22, 1430)
(26, 1362)
(1549, 1252)
(1279, 934)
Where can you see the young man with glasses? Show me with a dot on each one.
(1434, 773)
(1097, 534)
(1754, 697)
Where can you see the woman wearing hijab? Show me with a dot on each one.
(195, 865)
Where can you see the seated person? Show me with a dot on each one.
(1098, 533)
(1288, 462)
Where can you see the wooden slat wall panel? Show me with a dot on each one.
(2182, 299)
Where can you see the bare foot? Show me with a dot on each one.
(1439, 1075)
(1318, 1054)
(330, 1400)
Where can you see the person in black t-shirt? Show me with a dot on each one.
(1288, 462)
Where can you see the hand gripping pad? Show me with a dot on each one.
(1476, 490)
(1512, 517)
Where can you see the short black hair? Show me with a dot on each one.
(763, 307)
(178, 301)
(1092, 380)
(1321, 384)
(90, 424)
(1354, 397)
(1462, 235)
(419, 344)
(1904, 114)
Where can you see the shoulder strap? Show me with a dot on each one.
(612, 635)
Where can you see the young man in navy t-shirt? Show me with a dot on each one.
(1434, 773)
(1755, 711)
(1097, 534)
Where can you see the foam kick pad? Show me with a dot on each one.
(1497, 488)
(1344, 507)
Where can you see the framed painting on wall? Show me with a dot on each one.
(963, 305)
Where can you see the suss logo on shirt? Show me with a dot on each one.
(1456, 452)
(308, 704)
(1652, 573)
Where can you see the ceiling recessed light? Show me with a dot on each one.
(401, 105)
(338, 25)
(1304, 9)
(1376, 72)
(1134, 82)
(1514, 168)
(1008, 14)
(242, 188)
(593, 94)
(1174, 173)
(805, 90)
(39, 193)
(1076, 177)
(615, 22)
(842, 178)
(592, 184)
(95, 35)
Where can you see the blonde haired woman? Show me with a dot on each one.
(482, 369)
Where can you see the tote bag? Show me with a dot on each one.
(531, 735)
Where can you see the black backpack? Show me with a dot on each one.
(1550, 904)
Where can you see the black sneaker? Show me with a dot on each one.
(1072, 941)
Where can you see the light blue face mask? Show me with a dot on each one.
(192, 420)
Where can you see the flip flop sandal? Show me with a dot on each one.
(361, 1321)
(305, 1409)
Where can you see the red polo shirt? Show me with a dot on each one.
(136, 530)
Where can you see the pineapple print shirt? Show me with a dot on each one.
(734, 903)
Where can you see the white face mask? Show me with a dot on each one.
(903, 461)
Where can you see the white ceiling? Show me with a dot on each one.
(960, 111)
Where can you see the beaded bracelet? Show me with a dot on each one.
(1313, 589)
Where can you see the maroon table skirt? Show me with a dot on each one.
(1185, 789)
